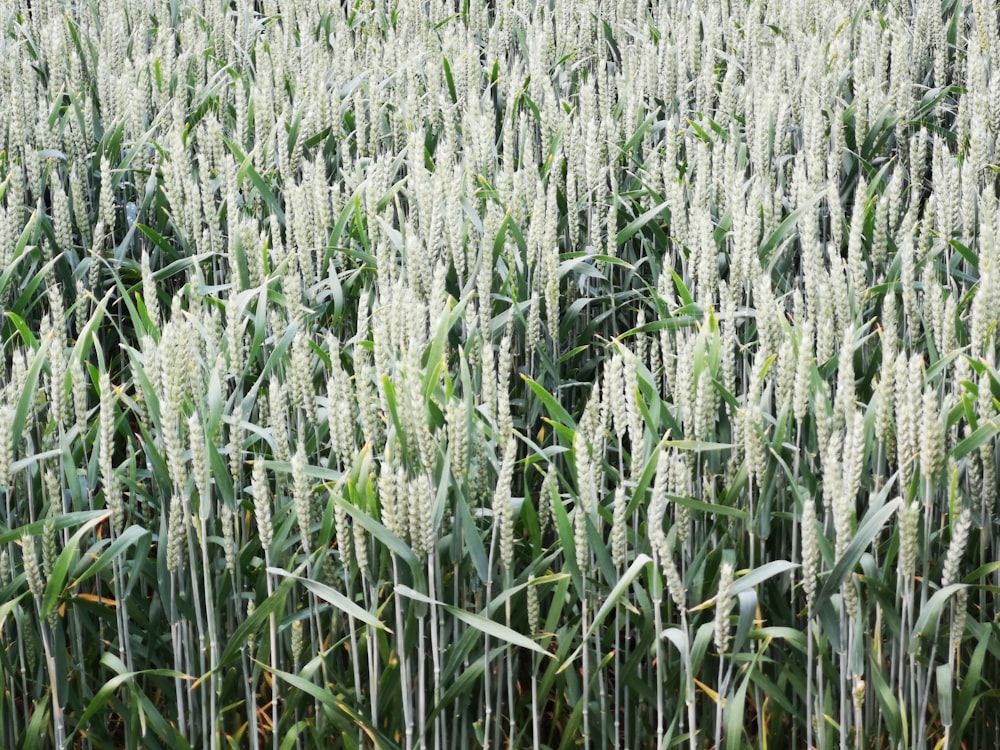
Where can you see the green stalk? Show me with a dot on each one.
(251, 699)
(585, 685)
(353, 637)
(657, 597)
(602, 688)
(498, 709)
(809, 674)
(535, 728)
(439, 725)
(316, 635)
(404, 671)
(508, 583)
(373, 656)
(615, 666)
(924, 681)
(722, 695)
(843, 678)
(421, 680)
(58, 720)
(203, 637)
(121, 615)
(488, 708)
(213, 638)
(179, 665)
(273, 635)
(821, 735)
(689, 693)
(22, 657)
(23, 662)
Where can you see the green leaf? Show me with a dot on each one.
(449, 79)
(247, 171)
(985, 432)
(484, 625)
(62, 521)
(60, 569)
(435, 351)
(931, 612)
(696, 446)
(873, 522)
(638, 223)
(334, 597)
(273, 605)
(331, 703)
(965, 705)
(101, 697)
(761, 574)
(18, 254)
(612, 600)
(23, 329)
(126, 539)
(766, 252)
(680, 639)
(555, 409)
(41, 717)
(735, 708)
(945, 684)
(394, 544)
(28, 393)
(748, 613)
(886, 700)
(712, 508)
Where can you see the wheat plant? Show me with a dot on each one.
(530, 374)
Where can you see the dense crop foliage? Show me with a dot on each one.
(530, 374)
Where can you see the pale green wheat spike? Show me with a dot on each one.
(176, 529)
(6, 445)
(723, 606)
(109, 479)
(959, 620)
(49, 540)
(196, 441)
(932, 437)
(810, 548)
(909, 522)
(79, 387)
(149, 293)
(956, 549)
(32, 572)
(503, 513)
(344, 537)
(618, 526)
(679, 483)
(228, 538)
(300, 377)
(658, 506)
(360, 546)
(262, 503)
(302, 495)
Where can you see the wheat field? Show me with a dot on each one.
(530, 374)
